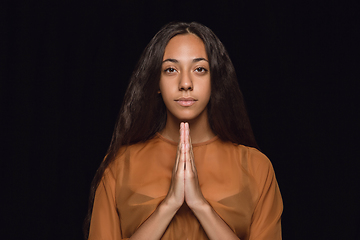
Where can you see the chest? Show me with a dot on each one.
(224, 182)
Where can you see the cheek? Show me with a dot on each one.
(207, 91)
(165, 92)
(164, 86)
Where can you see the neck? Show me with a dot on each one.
(200, 130)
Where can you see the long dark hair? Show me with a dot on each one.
(143, 112)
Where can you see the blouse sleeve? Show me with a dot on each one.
(266, 219)
(105, 223)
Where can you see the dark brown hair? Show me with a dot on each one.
(143, 112)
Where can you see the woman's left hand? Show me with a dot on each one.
(193, 195)
(214, 226)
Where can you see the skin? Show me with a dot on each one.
(186, 74)
(186, 77)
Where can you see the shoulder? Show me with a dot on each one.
(257, 160)
(260, 168)
(154, 145)
(251, 159)
(257, 164)
(250, 156)
(148, 147)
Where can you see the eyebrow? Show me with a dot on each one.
(177, 61)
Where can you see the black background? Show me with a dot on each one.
(65, 66)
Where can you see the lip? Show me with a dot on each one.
(186, 102)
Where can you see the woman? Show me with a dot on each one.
(159, 181)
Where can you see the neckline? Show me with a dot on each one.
(194, 144)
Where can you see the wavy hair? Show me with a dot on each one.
(226, 109)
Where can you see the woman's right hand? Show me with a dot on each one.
(175, 197)
(155, 226)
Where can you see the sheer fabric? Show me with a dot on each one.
(238, 182)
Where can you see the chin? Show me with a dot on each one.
(187, 117)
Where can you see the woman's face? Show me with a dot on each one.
(185, 78)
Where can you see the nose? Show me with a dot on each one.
(185, 82)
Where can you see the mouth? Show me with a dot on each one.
(186, 102)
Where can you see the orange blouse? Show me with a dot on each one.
(238, 181)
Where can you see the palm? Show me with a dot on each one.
(193, 194)
(184, 183)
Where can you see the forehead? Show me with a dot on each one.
(185, 46)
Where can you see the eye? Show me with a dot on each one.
(170, 70)
(201, 70)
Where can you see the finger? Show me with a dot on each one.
(189, 152)
(192, 160)
(182, 134)
(177, 160)
(182, 152)
(183, 156)
(189, 164)
(178, 154)
(185, 145)
(186, 131)
(186, 142)
(186, 157)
